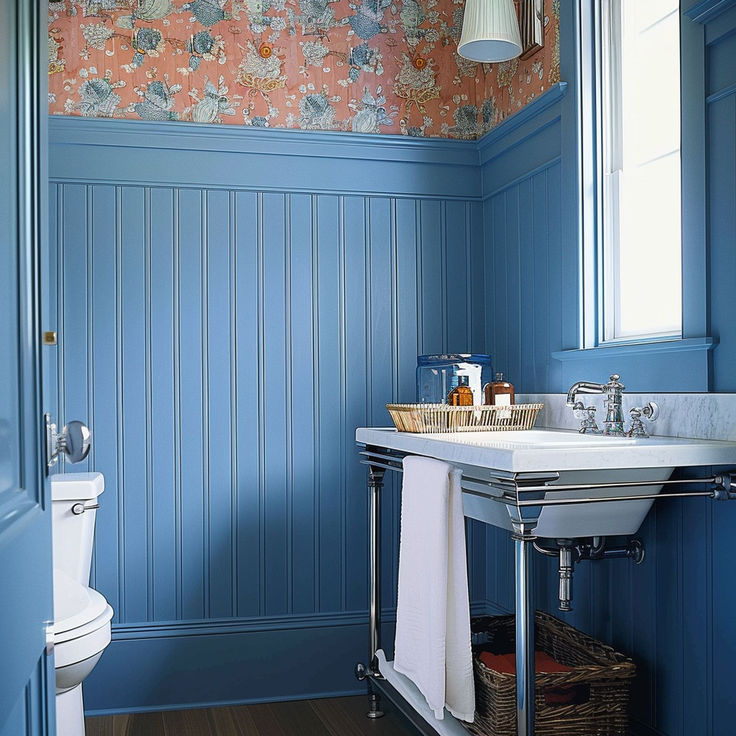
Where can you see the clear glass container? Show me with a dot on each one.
(437, 375)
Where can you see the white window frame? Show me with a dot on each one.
(601, 270)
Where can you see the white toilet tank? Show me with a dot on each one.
(73, 521)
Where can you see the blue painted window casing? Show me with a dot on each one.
(591, 357)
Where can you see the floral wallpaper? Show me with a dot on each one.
(366, 66)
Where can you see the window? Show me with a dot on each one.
(638, 177)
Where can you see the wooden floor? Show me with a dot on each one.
(325, 717)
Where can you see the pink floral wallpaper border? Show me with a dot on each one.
(367, 66)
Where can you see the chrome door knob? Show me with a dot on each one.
(77, 441)
(74, 440)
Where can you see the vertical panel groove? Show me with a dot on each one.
(150, 597)
(469, 311)
(343, 398)
(90, 348)
(234, 468)
(61, 311)
(289, 407)
(314, 202)
(368, 310)
(263, 582)
(178, 537)
(204, 321)
(444, 296)
(419, 275)
(120, 479)
(395, 297)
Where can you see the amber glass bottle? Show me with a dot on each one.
(462, 395)
(499, 392)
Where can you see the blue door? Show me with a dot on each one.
(26, 599)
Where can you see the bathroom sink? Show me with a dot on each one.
(538, 450)
(537, 438)
(563, 458)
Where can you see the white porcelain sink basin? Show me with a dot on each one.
(535, 438)
(579, 459)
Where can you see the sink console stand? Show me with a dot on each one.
(514, 501)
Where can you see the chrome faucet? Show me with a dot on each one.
(613, 390)
(614, 422)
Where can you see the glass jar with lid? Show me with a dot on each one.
(437, 375)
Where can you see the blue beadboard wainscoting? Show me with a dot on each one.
(231, 304)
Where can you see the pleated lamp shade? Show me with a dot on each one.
(490, 31)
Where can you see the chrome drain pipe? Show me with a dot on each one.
(570, 551)
(565, 572)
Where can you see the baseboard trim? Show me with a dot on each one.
(360, 688)
(195, 664)
(209, 627)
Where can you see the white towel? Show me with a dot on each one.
(432, 646)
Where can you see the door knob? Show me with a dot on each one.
(74, 440)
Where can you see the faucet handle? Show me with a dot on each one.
(650, 412)
(587, 414)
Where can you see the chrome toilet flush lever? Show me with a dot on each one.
(614, 421)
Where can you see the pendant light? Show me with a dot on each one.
(490, 31)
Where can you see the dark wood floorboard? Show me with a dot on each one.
(132, 724)
(324, 717)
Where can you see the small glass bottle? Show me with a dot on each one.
(462, 394)
(499, 392)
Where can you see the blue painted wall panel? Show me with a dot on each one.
(134, 427)
(356, 405)
(104, 412)
(219, 457)
(327, 297)
(235, 337)
(162, 410)
(305, 422)
(248, 465)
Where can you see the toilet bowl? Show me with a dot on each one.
(81, 615)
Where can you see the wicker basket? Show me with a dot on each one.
(430, 418)
(602, 677)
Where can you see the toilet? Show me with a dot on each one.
(81, 615)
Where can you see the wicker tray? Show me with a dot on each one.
(602, 677)
(429, 418)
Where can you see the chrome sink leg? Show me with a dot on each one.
(374, 706)
(375, 483)
(523, 558)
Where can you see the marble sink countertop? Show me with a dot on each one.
(703, 415)
(553, 449)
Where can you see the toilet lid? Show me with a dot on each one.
(74, 604)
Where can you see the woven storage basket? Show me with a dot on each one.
(603, 674)
(431, 418)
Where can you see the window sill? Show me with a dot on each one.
(663, 365)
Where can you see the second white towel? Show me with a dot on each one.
(432, 645)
